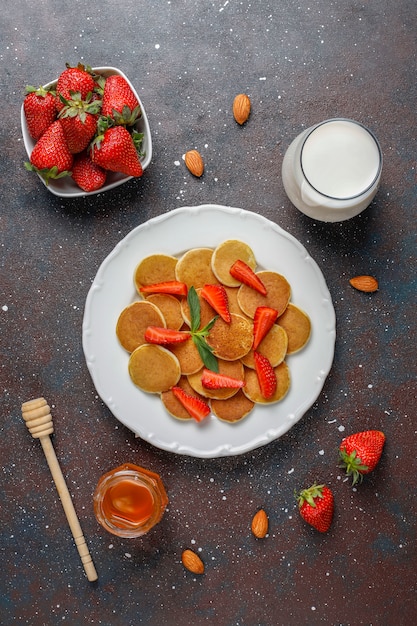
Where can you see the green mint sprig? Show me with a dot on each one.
(199, 335)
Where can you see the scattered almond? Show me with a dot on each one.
(194, 162)
(241, 108)
(259, 525)
(192, 562)
(364, 283)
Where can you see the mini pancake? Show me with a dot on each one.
(297, 325)
(155, 268)
(277, 297)
(253, 392)
(229, 368)
(234, 306)
(133, 322)
(227, 253)
(170, 308)
(234, 409)
(153, 368)
(231, 341)
(173, 405)
(194, 268)
(206, 312)
(273, 346)
(188, 356)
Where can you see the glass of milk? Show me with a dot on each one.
(331, 171)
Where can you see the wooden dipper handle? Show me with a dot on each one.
(38, 419)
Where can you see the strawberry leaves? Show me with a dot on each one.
(199, 335)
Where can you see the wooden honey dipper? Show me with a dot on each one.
(37, 416)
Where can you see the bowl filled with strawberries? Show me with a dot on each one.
(85, 132)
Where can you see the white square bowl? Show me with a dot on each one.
(66, 187)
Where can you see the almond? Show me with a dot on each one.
(192, 562)
(241, 108)
(364, 283)
(259, 525)
(194, 162)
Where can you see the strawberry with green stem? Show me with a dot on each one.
(360, 453)
(119, 101)
(39, 109)
(73, 80)
(50, 157)
(117, 150)
(79, 120)
(316, 506)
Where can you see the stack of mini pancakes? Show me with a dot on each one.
(156, 369)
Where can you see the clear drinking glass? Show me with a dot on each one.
(331, 171)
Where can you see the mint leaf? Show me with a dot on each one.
(194, 304)
(206, 353)
(204, 332)
(198, 336)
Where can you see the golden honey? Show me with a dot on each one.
(129, 500)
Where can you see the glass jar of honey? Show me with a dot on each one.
(129, 500)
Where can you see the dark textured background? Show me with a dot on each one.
(300, 63)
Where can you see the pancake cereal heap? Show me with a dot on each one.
(210, 333)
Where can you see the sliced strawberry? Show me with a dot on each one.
(266, 375)
(213, 380)
(245, 274)
(173, 287)
(161, 336)
(216, 296)
(196, 407)
(263, 321)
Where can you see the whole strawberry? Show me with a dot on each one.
(86, 174)
(360, 453)
(39, 109)
(316, 506)
(79, 121)
(115, 150)
(51, 157)
(119, 101)
(73, 79)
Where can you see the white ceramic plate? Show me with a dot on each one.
(65, 187)
(113, 289)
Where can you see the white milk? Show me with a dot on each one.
(332, 170)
